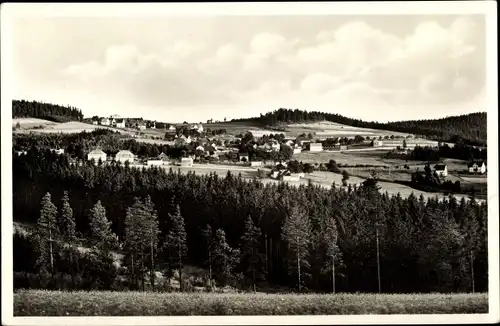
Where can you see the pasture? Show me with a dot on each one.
(332, 129)
(102, 303)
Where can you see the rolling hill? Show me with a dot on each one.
(470, 128)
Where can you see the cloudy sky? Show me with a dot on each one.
(194, 68)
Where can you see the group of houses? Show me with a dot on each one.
(474, 167)
(135, 123)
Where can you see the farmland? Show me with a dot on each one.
(56, 303)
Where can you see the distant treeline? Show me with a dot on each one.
(304, 236)
(47, 111)
(459, 151)
(470, 128)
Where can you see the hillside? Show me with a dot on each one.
(470, 128)
(46, 111)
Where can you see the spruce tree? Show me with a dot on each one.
(176, 244)
(225, 257)
(250, 251)
(331, 237)
(67, 229)
(208, 238)
(47, 236)
(296, 232)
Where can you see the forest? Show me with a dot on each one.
(244, 233)
(459, 151)
(47, 111)
(470, 128)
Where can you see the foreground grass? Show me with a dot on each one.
(95, 303)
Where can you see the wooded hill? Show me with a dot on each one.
(470, 128)
(47, 111)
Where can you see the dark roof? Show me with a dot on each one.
(479, 163)
(440, 167)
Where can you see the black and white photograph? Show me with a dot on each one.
(249, 163)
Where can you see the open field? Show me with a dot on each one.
(28, 123)
(57, 303)
(65, 127)
(332, 129)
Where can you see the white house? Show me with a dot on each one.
(316, 147)
(172, 128)
(186, 161)
(290, 178)
(155, 162)
(441, 170)
(299, 175)
(124, 156)
(343, 147)
(105, 122)
(120, 123)
(297, 150)
(275, 146)
(95, 122)
(256, 163)
(378, 143)
(97, 154)
(477, 167)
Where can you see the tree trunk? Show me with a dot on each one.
(210, 269)
(72, 269)
(378, 263)
(133, 272)
(142, 274)
(152, 266)
(333, 275)
(271, 257)
(51, 255)
(472, 272)
(181, 287)
(267, 264)
(298, 261)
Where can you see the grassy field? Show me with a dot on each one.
(56, 303)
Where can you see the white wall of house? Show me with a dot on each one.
(316, 147)
(96, 157)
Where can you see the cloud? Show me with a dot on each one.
(353, 66)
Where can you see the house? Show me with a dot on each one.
(200, 148)
(58, 151)
(120, 123)
(343, 147)
(124, 156)
(141, 126)
(297, 150)
(378, 143)
(97, 155)
(275, 146)
(186, 161)
(95, 122)
(289, 178)
(299, 175)
(243, 157)
(171, 128)
(105, 122)
(155, 162)
(163, 157)
(316, 147)
(441, 170)
(256, 163)
(477, 167)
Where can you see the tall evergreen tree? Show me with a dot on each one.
(296, 232)
(67, 230)
(209, 242)
(251, 256)
(225, 257)
(176, 244)
(330, 237)
(47, 236)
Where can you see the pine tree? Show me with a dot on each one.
(250, 251)
(209, 242)
(47, 236)
(330, 237)
(67, 229)
(296, 232)
(225, 257)
(175, 242)
(102, 237)
(103, 241)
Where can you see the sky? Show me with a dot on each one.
(194, 68)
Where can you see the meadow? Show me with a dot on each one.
(102, 303)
